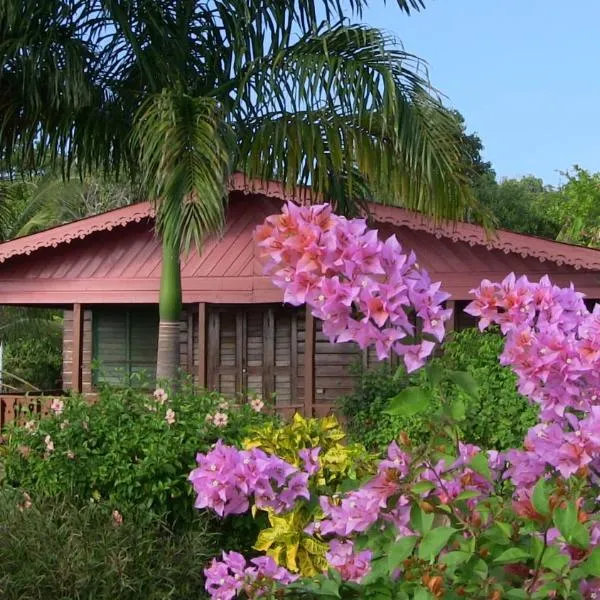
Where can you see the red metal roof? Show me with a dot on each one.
(116, 258)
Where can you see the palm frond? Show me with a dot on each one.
(184, 155)
(350, 105)
(17, 322)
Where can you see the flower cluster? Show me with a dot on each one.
(352, 566)
(553, 346)
(227, 577)
(360, 509)
(227, 478)
(365, 290)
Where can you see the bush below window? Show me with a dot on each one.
(498, 418)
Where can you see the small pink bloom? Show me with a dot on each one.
(160, 396)
(57, 406)
(30, 426)
(257, 404)
(220, 419)
(70, 454)
(170, 416)
(117, 518)
(49, 443)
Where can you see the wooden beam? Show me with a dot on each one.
(268, 352)
(77, 339)
(202, 380)
(189, 342)
(451, 322)
(294, 358)
(309, 364)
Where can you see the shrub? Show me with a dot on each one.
(53, 549)
(497, 418)
(126, 451)
(37, 361)
(282, 537)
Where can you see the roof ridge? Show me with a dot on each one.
(579, 257)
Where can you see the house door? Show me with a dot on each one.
(256, 349)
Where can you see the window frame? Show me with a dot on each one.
(126, 368)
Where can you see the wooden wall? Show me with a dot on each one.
(248, 349)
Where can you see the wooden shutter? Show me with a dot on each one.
(333, 368)
(143, 342)
(256, 349)
(110, 345)
(125, 343)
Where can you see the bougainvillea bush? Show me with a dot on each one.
(443, 519)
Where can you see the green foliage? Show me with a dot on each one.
(53, 549)
(121, 452)
(576, 208)
(500, 416)
(522, 205)
(339, 461)
(341, 465)
(495, 417)
(36, 360)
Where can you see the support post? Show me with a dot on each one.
(77, 339)
(451, 322)
(202, 380)
(309, 364)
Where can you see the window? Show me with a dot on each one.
(125, 343)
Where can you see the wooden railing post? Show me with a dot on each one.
(309, 364)
(202, 333)
(77, 346)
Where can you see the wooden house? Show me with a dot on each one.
(236, 335)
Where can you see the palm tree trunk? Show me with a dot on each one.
(167, 361)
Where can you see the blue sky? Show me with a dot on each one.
(524, 73)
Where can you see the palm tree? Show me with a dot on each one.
(178, 94)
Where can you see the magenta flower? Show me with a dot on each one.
(352, 566)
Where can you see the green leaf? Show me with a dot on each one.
(409, 401)
(434, 541)
(554, 560)
(422, 486)
(592, 564)
(453, 559)
(465, 382)
(540, 499)
(434, 373)
(467, 494)
(423, 594)
(400, 550)
(580, 536)
(516, 594)
(420, 520)
(329, 587)
(566, 520)
(512, 555)
(479, 463)
(457, 409)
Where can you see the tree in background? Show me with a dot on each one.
(177, 94)
(575, 207)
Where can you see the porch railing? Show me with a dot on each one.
(21, 408)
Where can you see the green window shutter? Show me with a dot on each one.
(110, 345)
(125, 343)
(143, 343)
